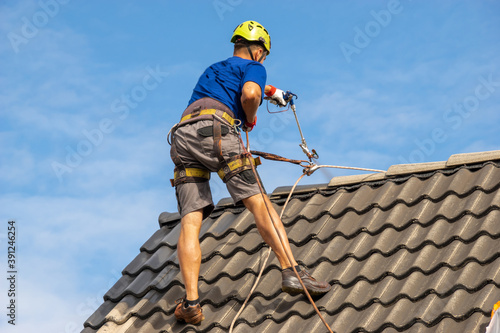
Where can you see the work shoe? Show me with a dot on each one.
(191, 314)
(291, 285)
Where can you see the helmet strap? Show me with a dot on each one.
(250, 52)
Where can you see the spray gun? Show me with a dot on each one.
(288, 97)
(311, 154)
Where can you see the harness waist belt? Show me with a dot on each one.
(207, 112)
(207, 108)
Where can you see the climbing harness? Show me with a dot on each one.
(221, 119)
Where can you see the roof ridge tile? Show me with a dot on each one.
(473, 158)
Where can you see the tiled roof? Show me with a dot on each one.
(416, 249)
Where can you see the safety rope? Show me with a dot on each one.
(349, 168)
(274, 157)
(309, 167)
(289, 255)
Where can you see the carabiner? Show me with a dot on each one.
(314, 154)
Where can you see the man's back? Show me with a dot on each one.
(224, 81)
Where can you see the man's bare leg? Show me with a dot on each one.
(255, 204)
(189, 252)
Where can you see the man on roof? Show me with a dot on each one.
(226, 97)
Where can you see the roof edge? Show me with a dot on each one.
(349, 180)
(299, 189)
(168, 219)
(405, 169)
(472, 158)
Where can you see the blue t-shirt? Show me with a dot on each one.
(224, 82)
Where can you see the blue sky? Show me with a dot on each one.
(89, 89)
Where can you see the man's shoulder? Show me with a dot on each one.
(236, 65)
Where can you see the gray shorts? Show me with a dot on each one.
(196, 150)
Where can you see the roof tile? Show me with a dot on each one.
(473, 158)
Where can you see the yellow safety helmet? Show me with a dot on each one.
(252, 31)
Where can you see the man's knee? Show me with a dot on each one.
(253, 202)
(192, 219)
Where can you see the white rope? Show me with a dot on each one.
(350, 168)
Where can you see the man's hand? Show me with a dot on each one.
(275, 96)
(248, 127)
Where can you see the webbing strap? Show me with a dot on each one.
(192, 172)
(182, 174)
(208, 112)
(175, 156)
(189, 175)
(237, 164)
(217, 130)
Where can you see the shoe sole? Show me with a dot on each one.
(194, 321)
(296, 290)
